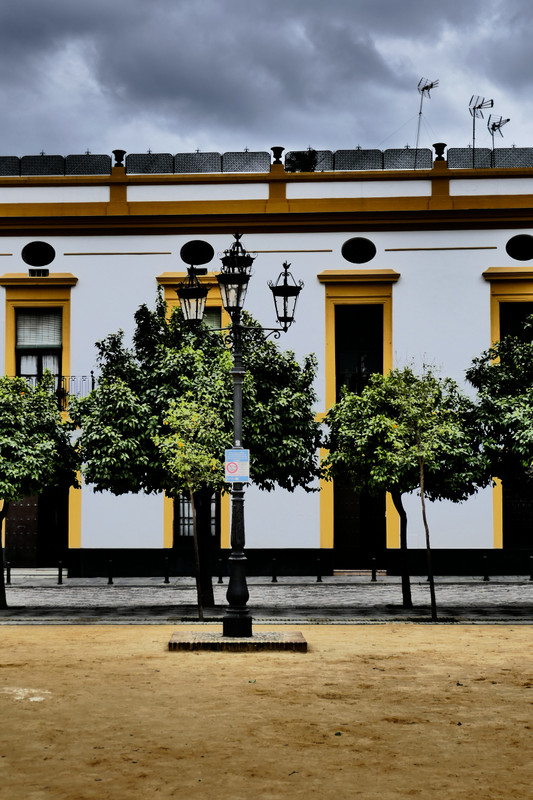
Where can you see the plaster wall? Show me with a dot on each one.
(361, 189)
(441, 313)
(121, 521)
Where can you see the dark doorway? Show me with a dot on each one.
(359, 519)
(518, 495)
(37, 530)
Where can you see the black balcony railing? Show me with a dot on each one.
(66, 386)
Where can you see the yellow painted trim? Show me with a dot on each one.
(503, 208)
(508, 274)
(31, 302)
(3, 532)
(365, 287)
(356, 293)
(327, 515)
(168, 522)
(432, 249)
(74, 517)
(22, 279)
(497, 510)
(25, 292)
(507, 285)
(123, 253)
(225, 532)
(358, 276)
(392, 524)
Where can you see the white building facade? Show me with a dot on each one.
(401, 266)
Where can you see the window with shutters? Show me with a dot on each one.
(38, 342)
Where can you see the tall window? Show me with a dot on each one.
(517, 506)
(38, 342)
(358, 343)
(511, 298)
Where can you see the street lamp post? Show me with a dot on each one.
(233, 283)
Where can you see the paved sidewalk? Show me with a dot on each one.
(34, 597)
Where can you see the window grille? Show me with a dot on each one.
(184, 521)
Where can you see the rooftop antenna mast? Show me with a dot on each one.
(476, 106)
(495, 125)
(424, 88)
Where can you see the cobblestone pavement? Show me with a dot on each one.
(35, 597)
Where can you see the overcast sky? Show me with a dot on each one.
(181, 75)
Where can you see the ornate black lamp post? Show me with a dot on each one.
(233, 282)
(192, 296)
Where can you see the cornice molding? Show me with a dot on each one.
(23, 279)
(508, 273)
(358, 276)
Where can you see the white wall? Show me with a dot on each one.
(128, 520)
(441, 315)
(282, 519)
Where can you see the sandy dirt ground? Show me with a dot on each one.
(388, 711)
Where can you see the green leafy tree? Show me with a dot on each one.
(503, 378)
(192, 452)
(36, 452)
(406, 432)
(168, 360)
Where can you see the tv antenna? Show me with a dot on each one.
(476, 106)
(495, 125)
(424, 88)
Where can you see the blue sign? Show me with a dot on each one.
(237, 467)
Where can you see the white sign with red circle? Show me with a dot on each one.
(237, 466)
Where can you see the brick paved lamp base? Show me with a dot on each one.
(191, 640)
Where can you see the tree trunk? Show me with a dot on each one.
(3, 515)
(428, 546)
(404, 553)
(202, 500)
(196, 558)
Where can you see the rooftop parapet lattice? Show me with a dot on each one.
(246, 162)
(187, 163)
(358, 159)
(468, 158)
(10, 166)
(309, 160)
(149, 163)
(512, 157)
(408, 158)
(42, 165)
(88, 164)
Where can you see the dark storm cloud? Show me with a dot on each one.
(224, 74)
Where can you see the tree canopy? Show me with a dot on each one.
(36, 452)
(378, 437)
(168, 359)
(402, 433)
(503, 378)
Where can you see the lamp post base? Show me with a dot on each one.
(237, 625)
